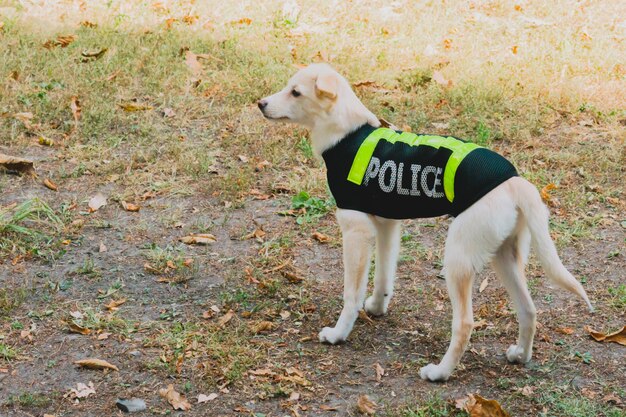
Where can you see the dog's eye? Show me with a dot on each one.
(295, 93)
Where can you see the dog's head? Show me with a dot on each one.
(317, 95)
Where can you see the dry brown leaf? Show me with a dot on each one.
(262, 327)
(225, 318)
(114, 304)
(93, 363)
(76, 109)
(324, 407)
(483, 285)
(102, 247)
(262, 372)
(61, 40)
(363, 316)
(545, 192)
(96, 202)
(94, 54)
(135, 106)
(477, 406)
(193, 64)
(130, 206)
(365, 405)
(76, 328)
(365, 83)
(15, 164)
(88, 24)
(565, 330)
(242, 21)
(617, 337)
(380, 372)
(320, 237)
(200, 239)
(176, 400)
(51, 185)
(81, 391)
(206, 398)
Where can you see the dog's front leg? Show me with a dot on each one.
(387, 250)
(358, 231)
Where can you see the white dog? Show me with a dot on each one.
(378, 176)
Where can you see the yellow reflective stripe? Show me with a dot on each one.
(366, 151)
(458, 153)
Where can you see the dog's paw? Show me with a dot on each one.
(434, 373)
(516, 354)
(375, 307)
(331, 335)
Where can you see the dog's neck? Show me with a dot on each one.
(341, 120)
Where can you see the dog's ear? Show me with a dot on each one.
(327, 85)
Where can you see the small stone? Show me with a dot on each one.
(130, 406)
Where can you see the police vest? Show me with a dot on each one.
(401, 175)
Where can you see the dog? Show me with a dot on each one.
(379, 176)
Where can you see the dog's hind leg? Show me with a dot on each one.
(358, 232)
(387, 249)
(509, 264)
(473, 238)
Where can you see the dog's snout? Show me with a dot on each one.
(262, 104)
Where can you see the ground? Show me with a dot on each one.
(165, 119)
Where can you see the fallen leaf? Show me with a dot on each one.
(76, 109)
(294, 396)
(61, 40)
(130, 206)
(262, 372)
(167, 112)
(565, 330)
(176, 400)
(545, 192)
(363, 316)
(478, 406)
(15, 164)
(380, 372)
(88, 24)
(93, 363)
(262, 327)
(102, 248)
(134, 106)
(193, 64)
(258, 234)
(328, 408)
(200, 239)
(617, 336)
(206, 398)
(225, 318)
(114, 304)
(81, 390)
(96, 202)
(365, 405)
(103, 336)
(93, 55)
(243, 21)
(51, 185)
(320, 237)
(76, 328)
(365, 83)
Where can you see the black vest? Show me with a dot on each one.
(402, 175)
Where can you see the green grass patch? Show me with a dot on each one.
(29, 228)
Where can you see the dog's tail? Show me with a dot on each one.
(536, 214)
